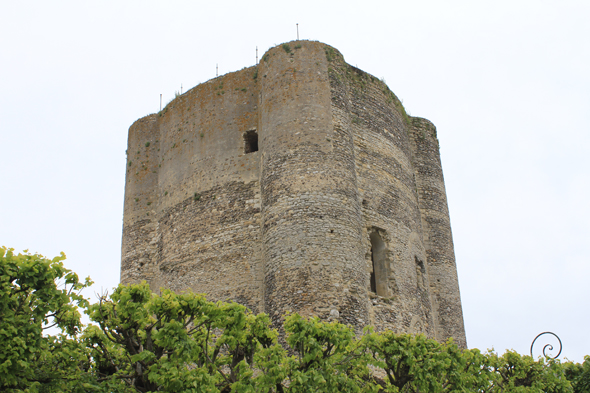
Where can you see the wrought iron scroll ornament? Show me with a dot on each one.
(547, 346)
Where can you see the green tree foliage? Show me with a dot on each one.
(176, 342)
(327, 358)
(413, 363)
(31, 302)
(143, 342)
(512, 372)
(579, 375)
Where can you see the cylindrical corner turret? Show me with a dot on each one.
(139, 251)
(436, 224)
(311, 222)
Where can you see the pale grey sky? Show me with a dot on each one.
(505, 82)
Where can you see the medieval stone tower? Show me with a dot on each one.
(299, 184)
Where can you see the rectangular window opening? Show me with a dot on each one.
(420, 273)
(250, 141)
(379, 275)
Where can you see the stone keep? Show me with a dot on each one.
(299, 184)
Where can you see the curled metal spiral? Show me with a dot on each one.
(547, 346)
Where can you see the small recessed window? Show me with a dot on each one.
(379, 275)
(420, 273)
(250, 141)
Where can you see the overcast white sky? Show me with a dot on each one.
(507, 84)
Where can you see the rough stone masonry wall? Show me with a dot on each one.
(310, 210)
(342, 177)
(192, 202)
(432, 198)
(386, 186)
(139, 253)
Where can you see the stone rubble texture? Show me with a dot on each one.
(342, 177)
